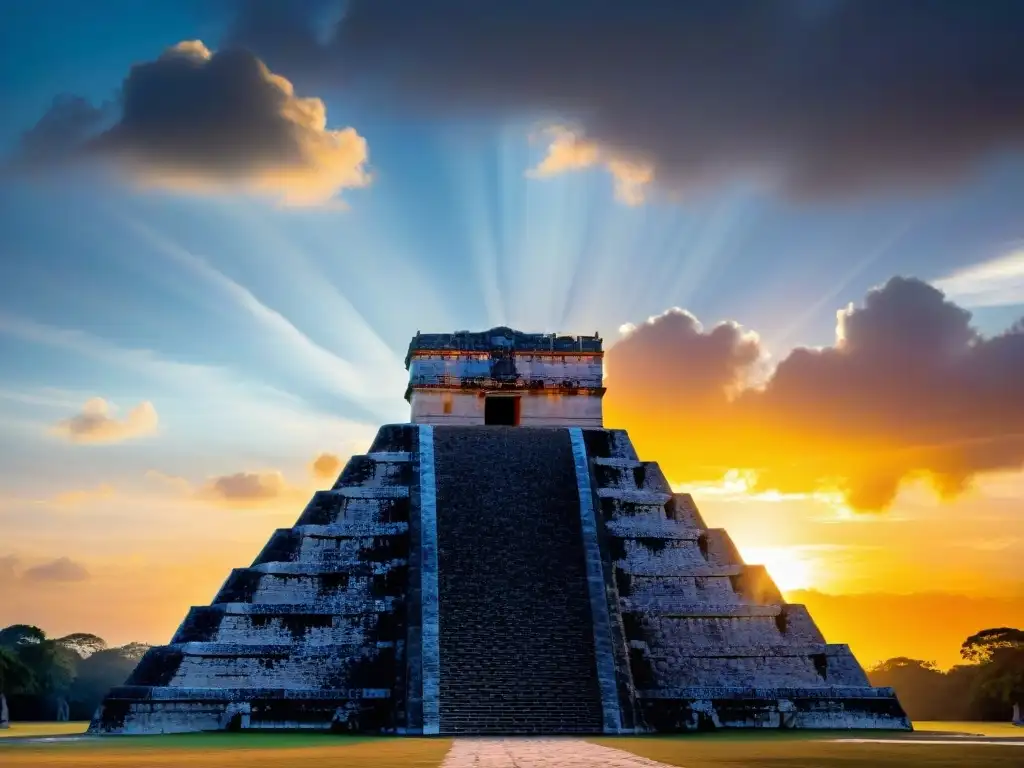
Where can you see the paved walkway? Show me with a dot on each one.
(540, 753)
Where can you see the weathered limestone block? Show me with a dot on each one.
(715, 589)
(656, 605)
(552, 565)
(711, 641)
(684, 509)
(661, 556)
(651, 526)
(628, 475)
(609, 444)
(309, 630)
(754, 584)
(798, 625)
(689, 634)
(720, 548)
(312, 635)
(376, 471)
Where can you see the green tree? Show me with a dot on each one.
(1000, 651)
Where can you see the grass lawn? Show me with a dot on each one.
(228, 750)
(811, 749)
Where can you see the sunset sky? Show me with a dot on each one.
(799, 227)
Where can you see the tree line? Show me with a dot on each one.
(988, 686)
(62, 678)
(67, 677)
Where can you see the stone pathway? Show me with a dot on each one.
(540, 753)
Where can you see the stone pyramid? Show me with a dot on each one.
(502, 564)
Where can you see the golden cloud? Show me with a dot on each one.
(96, 424)
(570, 152)
(326, 466)
(247, 489)
(910, 389)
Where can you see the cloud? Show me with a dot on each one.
(95, 424)
(814, 97)
(995, 283)
(245, 488)
(909, 389)
(80, 497)
(237, 490)
(326, 466)
(200, 121)
(250, 488)
(8, 568)
(569, 152)
(62, 569)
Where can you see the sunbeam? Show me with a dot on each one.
(368, 387)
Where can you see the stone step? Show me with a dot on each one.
(694, 693)
(328, 588)
(207, 624)
(648, 498)
(334, 508)
(280, 650)
(368, 471)
(368, 606)
(679, 609)
(651, 527)
(175, 693)
(323, 550)
(321, 568)
(638, 476)
(509, 525)
(392, 457)
(608, 443)
(669, 570)
(740, 651)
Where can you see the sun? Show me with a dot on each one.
(788, 567)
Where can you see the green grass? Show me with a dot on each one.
(722, 749)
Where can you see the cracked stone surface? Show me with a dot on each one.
(540, 753)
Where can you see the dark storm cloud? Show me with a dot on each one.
(909, 388)
(827, 96)
(196, 119)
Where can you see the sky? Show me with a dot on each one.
(797, 225)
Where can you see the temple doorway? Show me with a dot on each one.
(501, 411)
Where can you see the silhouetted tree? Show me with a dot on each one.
(82, 643)
(15, 677)
(67, 676)
(1000, 652)
(919, 685)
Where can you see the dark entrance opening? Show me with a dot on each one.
(501, 411)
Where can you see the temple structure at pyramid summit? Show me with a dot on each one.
(501, 564)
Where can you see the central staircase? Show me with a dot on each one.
(516, 633)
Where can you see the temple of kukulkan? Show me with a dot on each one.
(502, 564)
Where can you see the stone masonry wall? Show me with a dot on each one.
(311, 635)
(712, 643)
